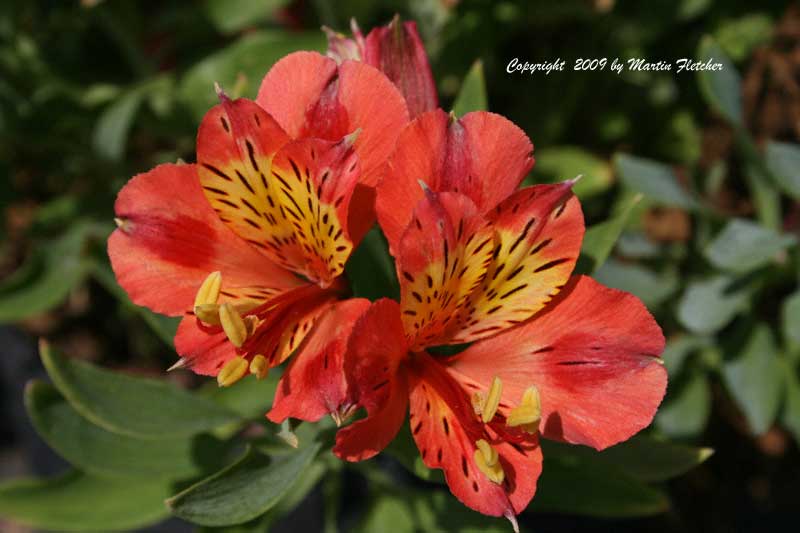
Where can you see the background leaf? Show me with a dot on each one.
(472, 96)
(743, 245)
(721, 88)
(783, 160)
(655, 180)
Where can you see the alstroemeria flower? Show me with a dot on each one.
(396, 50)
(249, 243)
(552, 355)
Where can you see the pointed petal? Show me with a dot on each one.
(310, 97)
(397, 50)
(539, 233)
(376, 108)
(292, 86)
(481, 155)
(446, 429)
(314, 384)
(171, 239)
(443, 258)
(593, 355)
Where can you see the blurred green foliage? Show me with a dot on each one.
(690, 196)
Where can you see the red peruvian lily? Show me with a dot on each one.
(553, 355)
(249, 243)
(396, 50)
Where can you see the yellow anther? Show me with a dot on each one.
(259, 366)
(233, 371)
(250, 323)
(488, 462)
(233, 324)
(492, 400)
(122, 224)
(208, 313)
(208, 293)
(478, 401)
(528, 413)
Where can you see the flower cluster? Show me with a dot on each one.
(249, 246)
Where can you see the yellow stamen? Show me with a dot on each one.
(208, 313)
(233, 371)
(233, 324)
(528, 413)
(478, 401)
(208, 293)
(492, 400)
(488, 462)
(259, 366)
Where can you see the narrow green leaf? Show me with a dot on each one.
(599, 240)
(250, 397)
(250, 56)
(78, 502)
(574, 483)
(791, 408)
(137, 407)
(783, 160)
(244, 490)
(648, 459)
(685, 412)
(655, 180)
(558, 163)
(706, 306)
(47, 277)
(472, 96)
(679, 349)
(743, 245)
(102, 453)
(370, 269)
(111, 132)
(755, 379)
(653, 288)
(229, 16)
(720, 88)
(790, 317)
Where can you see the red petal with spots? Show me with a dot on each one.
(314, 384)
(310, 97)
(592, 353)
(204, 349)
(443, 257)
(538, 235)
(482, 155)
(445, 428)
(397, 50)
(171, 240)
(376, 349)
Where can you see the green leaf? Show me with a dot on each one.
(111, 132)
(250, 398)
(46, 278)
(370, 269)
(404, 449)
(706, 306)
(648, 459)
(790, 317)
(755, 379)
(685, 412)
(575, 483)
(229, 16)
(651, 287)
(678, 350)
(655, 180)
(78, 502)
(791, 408)
(720, 88)
(557, 163)
(250, 56)
(740, 36)
(137, 407)
(472, 96)
(102, 453)
(743, 245)
(783, 161)
(244, 490)
(599, 240)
